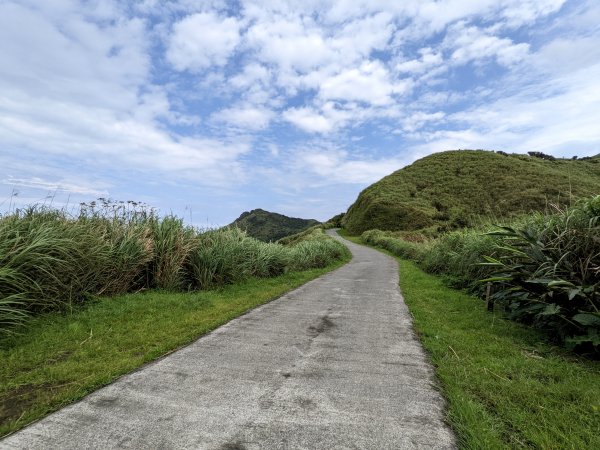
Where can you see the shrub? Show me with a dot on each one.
(457, 255)
(549, 274)
(315, 253)
(229, 255)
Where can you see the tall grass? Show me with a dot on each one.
(50, 260)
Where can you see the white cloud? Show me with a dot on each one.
(308, 119)
(72, 59)
(428, 60)
(369, 83)
(84, 95)
(471, 43)
(564, 55)
(252, 74)
(416, 120)
(359, 37)
(244, 117)
(518, 13)
(289, 44)
(337, 167)
(79, 187)
(558, 118)
(202, 40)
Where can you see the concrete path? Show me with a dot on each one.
(333, 364)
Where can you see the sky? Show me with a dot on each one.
(206, 109)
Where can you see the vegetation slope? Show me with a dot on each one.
(451, 190)
(268, 226)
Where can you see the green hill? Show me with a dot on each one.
(453, 189)
(268, 226)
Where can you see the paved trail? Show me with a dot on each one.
(333, 364)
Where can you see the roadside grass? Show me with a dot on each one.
(506, 386)
(60, 358)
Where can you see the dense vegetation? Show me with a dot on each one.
(545, 269)
(51, 261)
(268, 226)
(455, 189)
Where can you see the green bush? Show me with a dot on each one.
(548, 274)
(315, 253)
(457, 256)
(228, 255)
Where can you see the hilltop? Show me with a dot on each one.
(456, 188)
(269, 226)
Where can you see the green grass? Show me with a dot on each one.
(454, 189)
(506, 387)
(61, 358)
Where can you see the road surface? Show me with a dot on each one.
(333, 364)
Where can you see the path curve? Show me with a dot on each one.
(332, 364)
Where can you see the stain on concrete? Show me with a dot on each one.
(323, 325)
(105, 402)
(305, 403)
(233, 446)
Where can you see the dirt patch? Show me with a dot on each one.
(15, 402)
(62, 356)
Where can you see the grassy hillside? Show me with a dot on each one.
(450, 190)
(268, 226)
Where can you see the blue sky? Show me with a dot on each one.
(210, 108)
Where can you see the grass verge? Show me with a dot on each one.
(506, 387)
(61, 358)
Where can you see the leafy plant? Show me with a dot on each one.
(549, 274)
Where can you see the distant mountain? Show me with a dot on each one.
(454, 189)
(268, 226)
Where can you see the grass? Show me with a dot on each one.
(454, 189)
(506, 386)
(62, 357)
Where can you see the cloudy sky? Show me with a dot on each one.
(209, 108)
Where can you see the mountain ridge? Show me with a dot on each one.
(270, 226)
